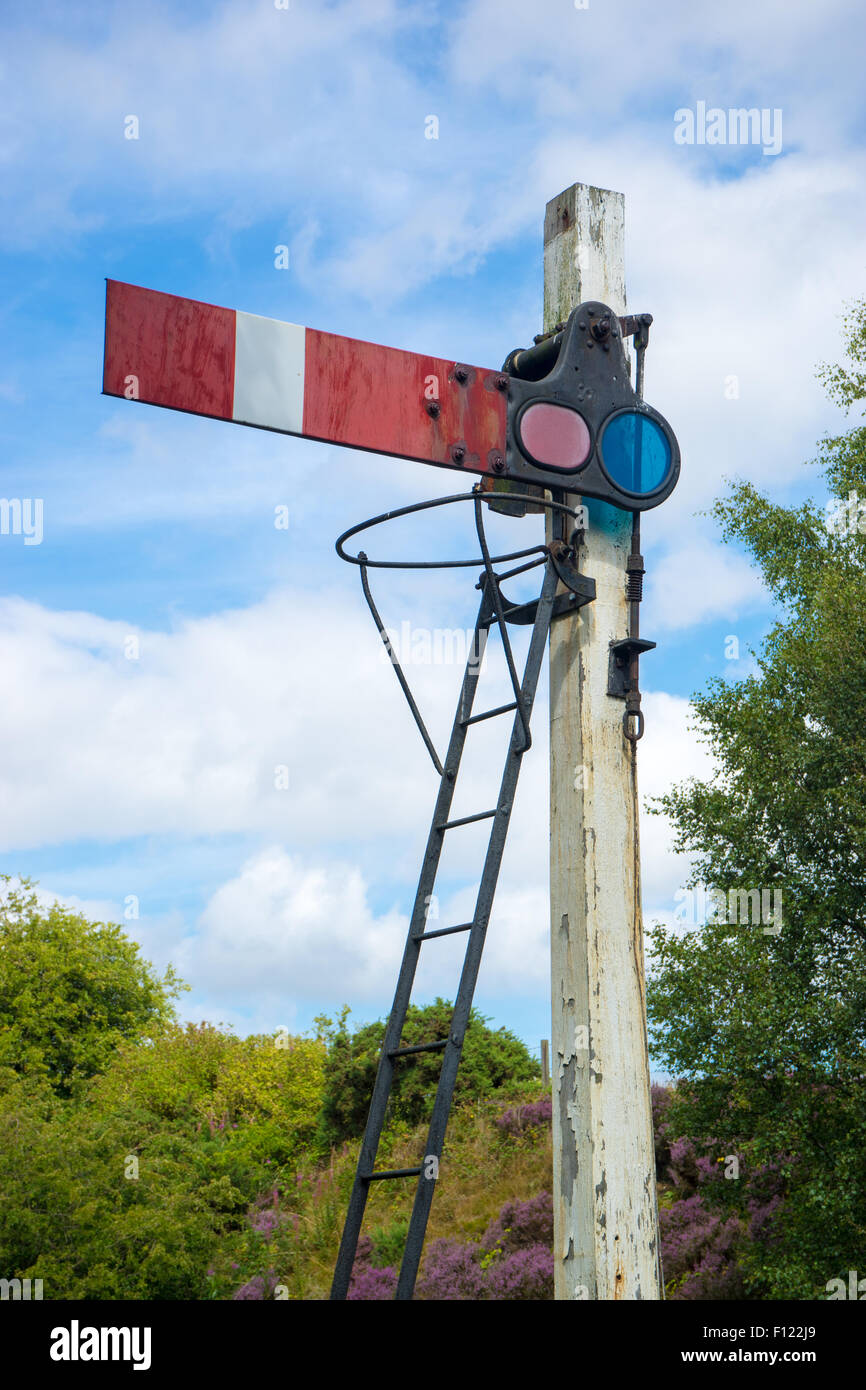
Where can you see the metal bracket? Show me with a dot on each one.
(580, 586)
(524, 613)
(619, 683)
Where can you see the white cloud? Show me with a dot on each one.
(285, 931)
(282, 929)
(295, 928)
(183, 743)
(189, 736)
(698, 584)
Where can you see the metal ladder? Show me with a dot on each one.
(493, 609)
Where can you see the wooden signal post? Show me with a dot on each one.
(604, 1195)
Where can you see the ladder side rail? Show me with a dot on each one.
(472, 960)
(411, 952)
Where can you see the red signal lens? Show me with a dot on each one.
(554, 436)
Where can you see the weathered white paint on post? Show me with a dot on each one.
(605, 1214)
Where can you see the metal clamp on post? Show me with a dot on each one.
(622, 681)
(623, 674)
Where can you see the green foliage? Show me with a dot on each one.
(491, 1059)
(388, 1243)
(483, 1165)
(768, 1030)
(70, 991)
(135, 1187)
(144, 1160)
(72, 1218)
(243, 1103)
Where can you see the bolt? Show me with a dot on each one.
(497, 462)
(458, 453)
(601, 330)
(461, 375)
(432, 408)
(501, 383)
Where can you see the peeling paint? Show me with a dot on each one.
(603, 1145)
(569, 1124)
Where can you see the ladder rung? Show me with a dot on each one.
(419, 1047)
(466, 820)
(444, 931)
(489, 714)
(393, 1173)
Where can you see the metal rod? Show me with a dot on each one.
(635, 588)
(444, 931)
(393, 1173)
(538, 361)
(398, 671)
(490, 713)
(467, 820)
(419, 1047)
(532, 364)
(496, 598)
(518, 569)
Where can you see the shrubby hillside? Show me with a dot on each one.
(143, 1159)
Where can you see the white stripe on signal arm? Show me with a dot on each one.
(269, 373)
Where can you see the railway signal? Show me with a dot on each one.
(560, 414)
(558, 423)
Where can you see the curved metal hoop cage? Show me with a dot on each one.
(490, 581)
(476, 496)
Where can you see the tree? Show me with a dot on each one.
(144, 1180)
(491, 1060)
(766, 1026)
(70, 991)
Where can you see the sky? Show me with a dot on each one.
(166, 647)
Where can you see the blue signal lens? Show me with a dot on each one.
(635, 452)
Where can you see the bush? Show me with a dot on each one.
(699, 1250)
(71, 991)
(135, 1188)
(491, 1060)
(513, 1260)
(517, 1119)
(370, 1282)
(521, 1225)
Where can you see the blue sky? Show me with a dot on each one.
(150, 781)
